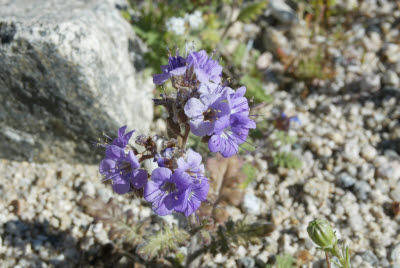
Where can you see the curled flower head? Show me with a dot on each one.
(123, 169)
(176, 66)
(166, 190)
(165, 157)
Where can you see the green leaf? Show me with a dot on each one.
(287, 160)
(251, 11)
(239, 54)
(250, 172)
(285, 261)
(255, 89)
(164, 241)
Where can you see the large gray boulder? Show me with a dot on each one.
(67, 74)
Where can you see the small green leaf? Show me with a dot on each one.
(250, 172)
(285, 261)
(251, 11)
(255, 89)
(287, 160)
(164, 241)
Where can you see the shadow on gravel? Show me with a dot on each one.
(57, 248)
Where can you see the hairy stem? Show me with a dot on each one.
(328, 262)
(144, 157)
(185, 136)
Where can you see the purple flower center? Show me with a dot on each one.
(168, 187)
(210, 115)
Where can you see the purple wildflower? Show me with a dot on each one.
(122, 169)
(206, 113)
(227, 139)
(283, 121)
(205, 68)
(193, 196)
(192, 165)
(166, 190)
(123, 139)
(198, 190)
(176, 66)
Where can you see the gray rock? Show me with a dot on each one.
(395, 255)
(281, 11)
(390, 78)
(247, 262)
(346, 180)
(369, 256)
(66, 75)
(252, 204)
(362, 189)
(370, 82)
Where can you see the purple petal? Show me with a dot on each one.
(202, 129)
(193, 158)
(159, 79)
(240, 92)
(222, 123)
(114, 152)
(202, 76)
(139, 178)
(160, 207)
(228, 148)
(194, 108)
(164, 68)
(201, 190)
(182, 165)
(120, 186)
(121, 131)
(128, 136)
(161, 174)
(192, 206)
(205, 89)
(133, 160)
(181, 179)
(106, 165)
(214, 144)
(178, 71)
(170, 202)
(152, 191)
(181, 200)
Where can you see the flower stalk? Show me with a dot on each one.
(321, 233)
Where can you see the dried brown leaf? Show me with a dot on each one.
(225, 176)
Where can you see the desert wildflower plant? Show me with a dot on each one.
(201, 104)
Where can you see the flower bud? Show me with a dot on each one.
(321, 233)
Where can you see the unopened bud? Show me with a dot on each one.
(321, 233)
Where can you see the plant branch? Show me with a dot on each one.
(328, 262)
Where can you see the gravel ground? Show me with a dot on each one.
(349, 143)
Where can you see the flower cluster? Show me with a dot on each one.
(213, 110)
(176, 25)
(202, 105)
